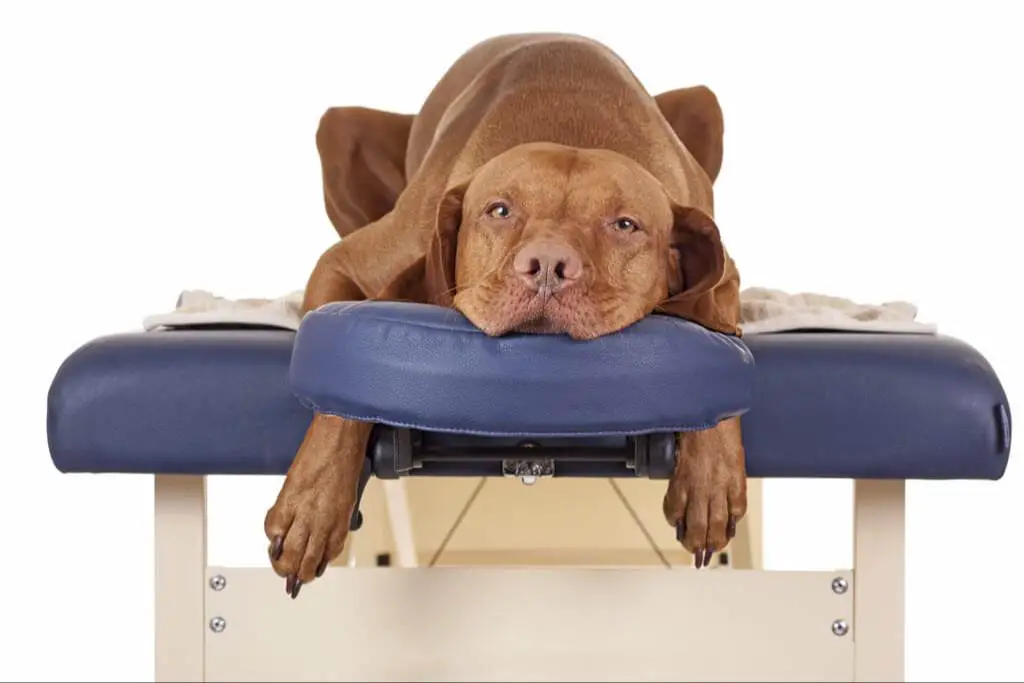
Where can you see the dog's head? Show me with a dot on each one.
(552, 239)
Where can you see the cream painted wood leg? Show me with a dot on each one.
(746, 550)
(180, 576)
(879, 575)
(396, 501)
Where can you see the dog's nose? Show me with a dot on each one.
(551, 266)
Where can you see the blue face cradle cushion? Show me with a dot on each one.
(428, 368)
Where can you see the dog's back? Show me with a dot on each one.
(560, 88)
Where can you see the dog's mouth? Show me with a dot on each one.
(541, 325)
(527, 313)
(511, 308)
(544, 313)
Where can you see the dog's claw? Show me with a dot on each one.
(292, 585)
(321, 568)
(730, 528)
(276, 548)
(701, 556)
(295, 588)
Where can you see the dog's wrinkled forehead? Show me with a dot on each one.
(557, 182)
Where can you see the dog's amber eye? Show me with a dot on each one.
(499, 210)
(626, 225)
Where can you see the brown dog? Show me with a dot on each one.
(539, 189)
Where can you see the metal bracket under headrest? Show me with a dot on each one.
(397, 452)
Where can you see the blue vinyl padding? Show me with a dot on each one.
(427, 367)
(851, 405)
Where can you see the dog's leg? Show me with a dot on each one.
(330, 280)
(309, 523)
(696, 117)
(362, 159)
(707, 494)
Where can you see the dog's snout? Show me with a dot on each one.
(548, 265)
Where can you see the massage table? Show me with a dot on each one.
(185, 404)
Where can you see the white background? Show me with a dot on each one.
(873, 151)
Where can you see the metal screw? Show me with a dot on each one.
(217, 582)
(217, 624)
(840, 627)
(839, 585)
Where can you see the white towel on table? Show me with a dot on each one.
(200, 307)
(763, 311)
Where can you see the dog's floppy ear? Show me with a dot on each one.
(696, 117)
(362, 162)
(439, 267)
(704, 285)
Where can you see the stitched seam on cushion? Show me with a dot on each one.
(450, 430)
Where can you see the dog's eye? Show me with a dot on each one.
(626, 225)
(499, 210)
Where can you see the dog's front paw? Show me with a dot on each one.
(307, 528)
(707, 494)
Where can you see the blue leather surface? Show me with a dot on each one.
(427, 367)
(196, 401)
(875, 406)
(825, 405)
